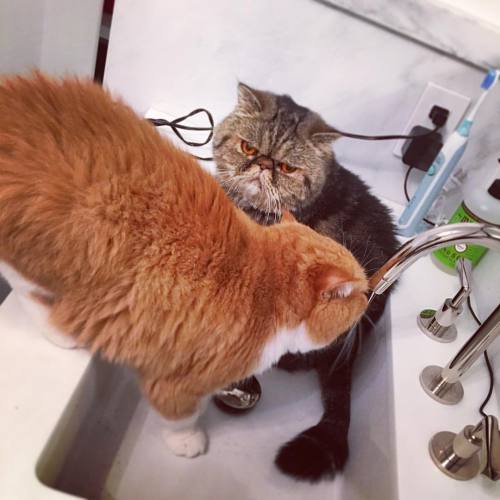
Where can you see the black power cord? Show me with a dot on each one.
(176, 126)
(382, 137)
(492, 381)
(488, 364)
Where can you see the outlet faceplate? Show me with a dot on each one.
(435, 94)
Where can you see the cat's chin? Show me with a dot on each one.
(247, 202)
(252, 198)
(252, 190)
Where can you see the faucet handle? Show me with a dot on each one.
(464, 270)
(440, 325)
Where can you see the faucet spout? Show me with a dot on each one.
(480, 234)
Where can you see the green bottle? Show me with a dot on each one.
(480, 206)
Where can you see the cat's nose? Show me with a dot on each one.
(265, 163)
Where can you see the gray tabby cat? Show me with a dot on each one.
(271, 155)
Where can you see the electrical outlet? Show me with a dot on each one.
(435, 94)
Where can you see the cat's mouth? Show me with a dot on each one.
(255, 186)
(261, 195)
(252, 188)
(260, 178)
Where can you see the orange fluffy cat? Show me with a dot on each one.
(116, 240)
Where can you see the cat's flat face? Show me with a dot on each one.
(271, 153)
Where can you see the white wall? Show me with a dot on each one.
(57, 36)
(21, 26)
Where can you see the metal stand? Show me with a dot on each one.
(441, 449)
(433, 383)
(474, 450)
(429, 324)
(443, 384)
(439, 325)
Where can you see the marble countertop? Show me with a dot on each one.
(449, 30)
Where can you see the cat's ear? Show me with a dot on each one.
(287, 216)
(331, 282)
(252, 101)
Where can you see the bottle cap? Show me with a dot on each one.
(494, 189)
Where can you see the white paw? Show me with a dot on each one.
(186, 443)
(60, 339)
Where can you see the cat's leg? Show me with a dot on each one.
(36, 302)
(322, 450)
(183, 436)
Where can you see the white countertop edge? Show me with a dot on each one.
(37, 380)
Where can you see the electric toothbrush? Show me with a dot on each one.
(411, 220)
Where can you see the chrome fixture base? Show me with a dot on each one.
(475, 449)
(443, 455)
(448, 393)
(239, 397)
(427, 323)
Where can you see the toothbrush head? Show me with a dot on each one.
(490, 79)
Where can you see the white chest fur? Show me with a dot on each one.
(286, 340)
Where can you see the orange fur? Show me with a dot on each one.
(144, 256)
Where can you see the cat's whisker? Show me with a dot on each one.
(278, 208)
(366, 250)
(367, 318)
(232, 185)
(365, 264)
(272, 197)
(276, 216)
(234, 188)
(275, 204)
(268, 204)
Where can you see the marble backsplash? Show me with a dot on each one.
(360, 77)
(452, 31)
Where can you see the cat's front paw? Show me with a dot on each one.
(313, 455)
(186, 443)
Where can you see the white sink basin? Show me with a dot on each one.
(108, 444)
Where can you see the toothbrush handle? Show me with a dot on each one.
(430, 186)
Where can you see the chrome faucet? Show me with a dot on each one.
(443, 384)
(477, 448)
(438, 237)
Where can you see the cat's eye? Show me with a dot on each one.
(285, 168)
(248, 149)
